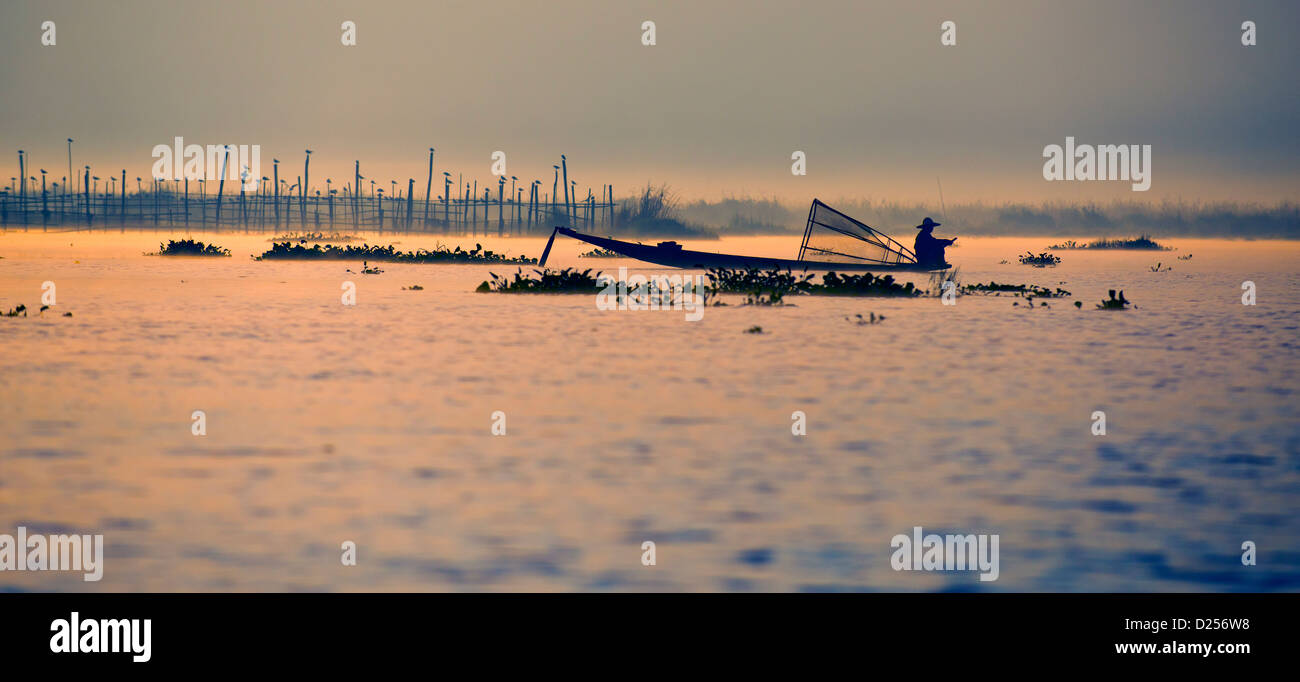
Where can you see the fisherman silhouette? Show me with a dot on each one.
(929, 248)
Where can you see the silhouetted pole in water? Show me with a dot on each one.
(555, 193)
(356, 192)
(203, 201)
(532, 205)
(501, 208)
(331, 193)
(428, 187)
(122, 217)
(302, 189)
(22, 185)
(275, 165)
(568, 212)
(446, 199)
(410, 193)
(187, 197)
(45, 208)
(221, 183)
(70, 175)
(514, 210)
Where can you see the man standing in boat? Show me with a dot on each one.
(929, 248)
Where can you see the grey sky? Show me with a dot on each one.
(716, 107)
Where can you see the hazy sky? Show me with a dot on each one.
(716, 107)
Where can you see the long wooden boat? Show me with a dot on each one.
(832, 241)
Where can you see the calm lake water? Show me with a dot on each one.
(372, 424)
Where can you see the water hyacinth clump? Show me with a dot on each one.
(1030, 290)
(1041, 260)
(547, 281)
(780, 283)
(600, 253)
(189, 247)
(387, 254)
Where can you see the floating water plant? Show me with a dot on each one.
(863, 321)
(1041, 260)
(367, 270)
(600, 253)
(387, 254)
(754, 330)
(785, 283)
(189, 247)
(1028, 290)
(1157, 268)
(546, 281)
(1113, 303)
(15, 312)
(773, 298)
(413, 287)
(1186, 257)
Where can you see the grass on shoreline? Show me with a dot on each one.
(1140, 243)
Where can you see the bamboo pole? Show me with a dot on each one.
(221, 183)
(302, 189)
(428, 187)
(22, 184)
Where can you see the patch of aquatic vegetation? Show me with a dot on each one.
(189, 247)
(546, 281)
(600, 253)
(1143, 242)
(413, 287)
(335, 237)
(754, 330)
(783, 283)
(21, 311)
(1161, 267)
(770, 298)
(388, 254)
(1114, 303)
(865, 321)
(1026, 290)
(1041, 260)
(1185, 257)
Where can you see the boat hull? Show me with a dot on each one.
(703, 260)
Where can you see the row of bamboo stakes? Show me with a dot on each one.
(282, 205)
